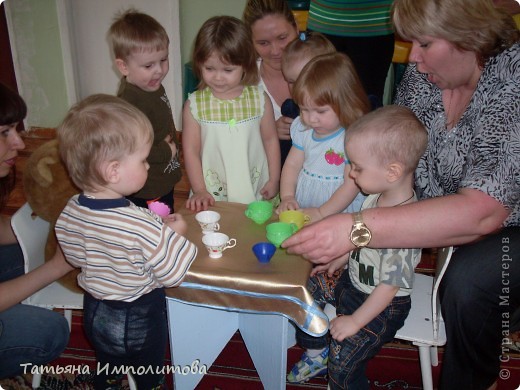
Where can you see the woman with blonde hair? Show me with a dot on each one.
(463, 83)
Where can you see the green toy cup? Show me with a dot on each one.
(259, 211)
(278, 232)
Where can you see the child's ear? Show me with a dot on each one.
(110, 171)
(121, 65)
(394, 171)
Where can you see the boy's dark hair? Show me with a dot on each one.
(391, 133)
(133, 31)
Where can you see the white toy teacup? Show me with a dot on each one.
(208, 221)
(216, 243)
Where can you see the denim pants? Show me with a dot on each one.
(348, 359)
(480, 293)
(128, 334)
(28, 334)
(321, 287)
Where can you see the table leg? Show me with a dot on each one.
(197, 333)
(265, 336)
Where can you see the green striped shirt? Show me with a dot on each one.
(245, 106)
(350, 17)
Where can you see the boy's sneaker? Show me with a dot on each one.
(308, 368)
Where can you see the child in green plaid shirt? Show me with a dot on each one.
(230, 144)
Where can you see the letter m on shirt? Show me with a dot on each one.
(366, 274)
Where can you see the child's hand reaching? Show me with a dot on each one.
(200, 200)
(177, 223)
(332, 266)
(287, 203)
(313, 213)
(270, 189)
(342, 327)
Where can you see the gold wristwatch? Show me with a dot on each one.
(360, 235)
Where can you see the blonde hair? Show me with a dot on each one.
(331, 79)
(313, 44)
(133, 31)
(100, 128)
(391, 134)
(257, 9)
(228, 37)
(470, 25)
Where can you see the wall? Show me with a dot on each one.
(38, 57)
(37, 48)
(88, 23)
(193, 13)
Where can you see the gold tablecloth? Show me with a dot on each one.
(238, 281)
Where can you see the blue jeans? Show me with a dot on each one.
(28, 334)
(348, 359)
(479, 293)
(128, 334)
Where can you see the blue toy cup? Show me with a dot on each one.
(264, 251)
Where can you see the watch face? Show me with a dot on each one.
(360, 236)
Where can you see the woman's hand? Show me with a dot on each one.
(323, 241)
(200, 201)
(283, 126)
(16, 290)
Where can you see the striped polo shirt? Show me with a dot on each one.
(124, 251)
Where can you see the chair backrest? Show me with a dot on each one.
(443, 260)
(32, 232)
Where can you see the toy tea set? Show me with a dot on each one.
(290, 221)
(259, 212)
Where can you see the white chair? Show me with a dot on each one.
(31, 232)
(424, 326)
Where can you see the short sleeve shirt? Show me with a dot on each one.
(482, 151)
(369, 267)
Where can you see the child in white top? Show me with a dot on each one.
(372, 297)
(315, 174)
(230, 143)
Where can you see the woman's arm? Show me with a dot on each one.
(444, 221)
(16, 290)
(272, 150)
(191, 144)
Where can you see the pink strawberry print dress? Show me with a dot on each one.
(323, 167)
